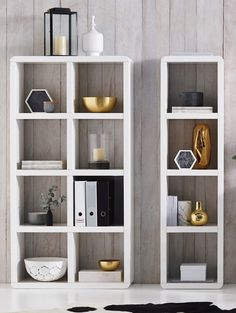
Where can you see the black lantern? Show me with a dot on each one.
(60, 32)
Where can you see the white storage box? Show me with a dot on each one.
(193, 271)
(100, 276)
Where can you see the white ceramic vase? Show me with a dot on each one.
(93, 41)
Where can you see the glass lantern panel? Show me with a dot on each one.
(47, 34)
(60, 34)
(74, 37)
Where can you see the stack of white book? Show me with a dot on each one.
(199, 109)
(172, 211)
(42, 165)
(100, 276)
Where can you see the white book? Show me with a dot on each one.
(41, 167)
(39, 162)
(91, 203)
(172, 210)
(192, 109)
(80, 204)
(100, 276)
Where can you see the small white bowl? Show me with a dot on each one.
(46, 268)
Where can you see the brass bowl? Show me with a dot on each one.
(109, 265)
(99, 104)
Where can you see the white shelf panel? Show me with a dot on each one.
(192, 116)
(63, 228)
(192, 229)
(110, 172)
(42, 172)
(98, 116)
(192, 172)
(42, 116)
(98, 229)
(66, 59)
(194, 58)
(62, 284)
(85, 172)
(57, 228)
(208, 284)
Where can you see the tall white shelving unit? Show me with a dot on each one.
(171, 257)
(19, 278)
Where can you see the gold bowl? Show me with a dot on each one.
(99, 104)
(109, 265)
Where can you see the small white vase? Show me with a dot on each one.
(93, 41)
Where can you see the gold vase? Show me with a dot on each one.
(202, 145)
(199, 217)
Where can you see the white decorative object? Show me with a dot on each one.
(171, 177)
(184, 212)
(46, 269)
(93, 41)
(193, 271)
(185, 159)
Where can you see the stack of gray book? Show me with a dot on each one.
(42, 165)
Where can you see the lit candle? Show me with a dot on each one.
(60, 45)
(98, 154)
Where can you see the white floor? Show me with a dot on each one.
(16, 300)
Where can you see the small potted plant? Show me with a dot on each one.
(49, 201)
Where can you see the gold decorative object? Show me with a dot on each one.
(99, 104)
(199, 217)
(109, 265)
(202, 145)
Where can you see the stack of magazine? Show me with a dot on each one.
(42, 165)
(188, 109)
(98, 203)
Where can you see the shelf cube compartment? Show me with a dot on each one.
(51, 77)
(28, 192)
(92, 247)
(42, 140)
(81, 129)
(180, 137)
(98, 80)
(37, 245)
(107, 193)
(196, 188)
(191, 248)
(192, 77)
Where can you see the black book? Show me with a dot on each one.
(117, 202)
(103, 203)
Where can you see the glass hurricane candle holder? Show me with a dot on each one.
(98, 151)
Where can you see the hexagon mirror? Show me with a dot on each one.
(35, 99)
(185, 159)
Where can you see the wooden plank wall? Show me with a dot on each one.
(144, 31)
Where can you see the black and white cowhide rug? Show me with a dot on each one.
(187, 307)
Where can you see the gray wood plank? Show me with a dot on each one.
(3, 143)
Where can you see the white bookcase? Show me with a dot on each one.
(192, 244)
(71, 117)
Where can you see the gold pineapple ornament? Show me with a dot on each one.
(199, 217)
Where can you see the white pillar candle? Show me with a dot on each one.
(98, 154)
(60, 45)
